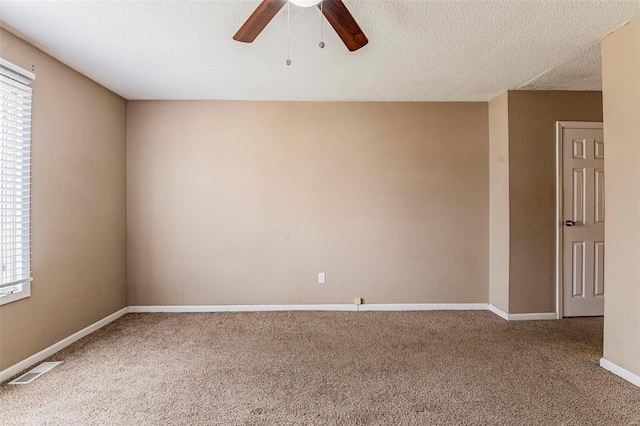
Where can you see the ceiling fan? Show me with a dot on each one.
(334, 10)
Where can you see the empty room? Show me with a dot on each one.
(354, 212)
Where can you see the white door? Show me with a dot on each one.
(583, 248)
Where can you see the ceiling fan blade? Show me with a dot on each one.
(259, 20)
(342, 21)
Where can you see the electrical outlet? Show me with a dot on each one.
(358, 300)
(321, 278)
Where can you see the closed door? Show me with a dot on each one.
(584, 216)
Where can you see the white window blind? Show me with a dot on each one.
(15, 184)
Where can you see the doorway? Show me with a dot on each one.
(580, 216)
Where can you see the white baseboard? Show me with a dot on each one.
(533, 317)
(371, 307)
(243, 308)
(522, 317)
(45, 353)
(619, 371)
(335, 307)
(499, 312)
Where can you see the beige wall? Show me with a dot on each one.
(621, 86)
(532, 150)
(499, 202)
(78, 202)
(245, 202)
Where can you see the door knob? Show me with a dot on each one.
(570, 223)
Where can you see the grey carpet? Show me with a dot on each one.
(285, 368)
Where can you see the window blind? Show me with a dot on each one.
(15, 184)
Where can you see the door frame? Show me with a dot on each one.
(560, 126)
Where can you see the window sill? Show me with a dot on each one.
(18, 295)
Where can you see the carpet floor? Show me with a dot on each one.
(300, 368)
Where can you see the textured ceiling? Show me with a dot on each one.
(418, 50)
(584, 72)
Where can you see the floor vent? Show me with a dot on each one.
(34, 374)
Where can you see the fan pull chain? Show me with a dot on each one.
(321, 24)
(288, 34)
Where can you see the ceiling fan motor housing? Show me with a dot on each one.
(305, 3)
